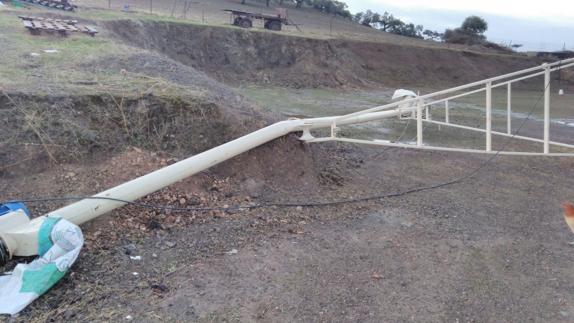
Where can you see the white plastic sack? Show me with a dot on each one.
(60, 242)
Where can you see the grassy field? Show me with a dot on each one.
(70, 64)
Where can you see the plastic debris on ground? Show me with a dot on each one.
(60, 242)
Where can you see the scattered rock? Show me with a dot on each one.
(159, 288)
(252, 187)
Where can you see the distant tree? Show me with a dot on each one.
(386, 21)
(471, 32)
(475, 25)
(358, 17)
(516, 46)
(432, 35)
(366, 18)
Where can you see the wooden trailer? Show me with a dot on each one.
(272, 22)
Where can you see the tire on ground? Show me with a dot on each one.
(245, 23)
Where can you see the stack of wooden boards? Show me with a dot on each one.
(55, 4)
(37, 24)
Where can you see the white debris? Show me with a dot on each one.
(136, 258)
(129, 317)
(135, 274)
(34, 54)
(59, 244)
(50, 51)
(232, 252)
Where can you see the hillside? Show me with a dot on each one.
(311, 23)
(289, 231)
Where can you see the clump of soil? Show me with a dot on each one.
(234, 55)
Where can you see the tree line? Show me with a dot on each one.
(471, 31)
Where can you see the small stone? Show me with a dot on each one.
(182, 201)
(170, 244)
(564, 314)
(299, 208)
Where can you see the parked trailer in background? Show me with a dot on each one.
(272, 22)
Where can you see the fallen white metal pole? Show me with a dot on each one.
(23, 241)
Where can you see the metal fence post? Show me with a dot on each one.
(546, 108)
(419, 122)
(509, 109)
(446, 112)
(489, 116)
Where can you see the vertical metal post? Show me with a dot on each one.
(446, 112)
(419, 123)
(109, 4)
(151, 6)
(427, 113)
(509, 109)
(489, 116)
(333, 130)
(546, 108)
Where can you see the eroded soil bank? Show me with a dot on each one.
(235, 55)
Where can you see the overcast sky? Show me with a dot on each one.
(538, 25)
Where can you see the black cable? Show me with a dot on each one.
(298, 204)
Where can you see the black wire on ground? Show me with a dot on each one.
(300, 204)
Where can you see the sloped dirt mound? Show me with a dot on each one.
(235, 55)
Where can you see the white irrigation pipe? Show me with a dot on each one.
(22, 240)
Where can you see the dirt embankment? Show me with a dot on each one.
(234, 55)
(50, 131)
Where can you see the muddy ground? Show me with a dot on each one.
(490, 248)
